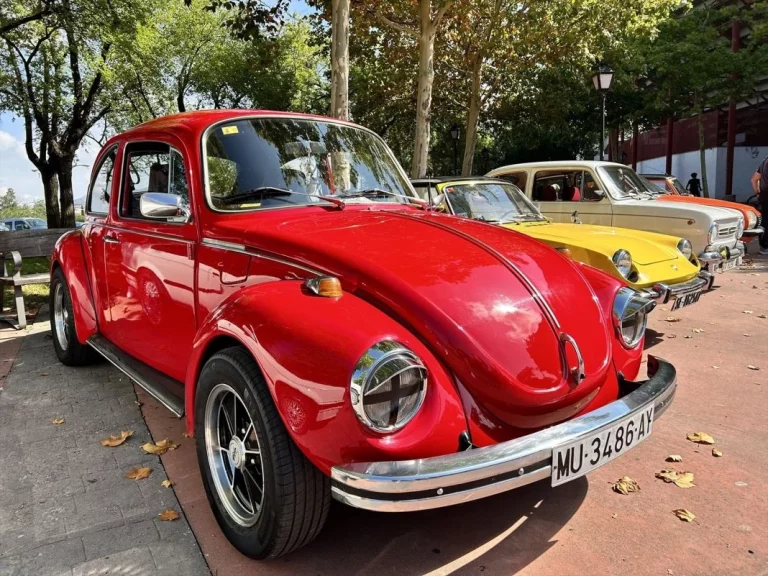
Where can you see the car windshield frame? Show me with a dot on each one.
(349, 196)
(644, 188)
(515, 196)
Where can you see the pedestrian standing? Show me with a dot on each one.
(760, 187)
(694, 185)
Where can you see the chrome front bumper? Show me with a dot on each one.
(712, 258)
(477, 473)
(756, 231)
(665, 292)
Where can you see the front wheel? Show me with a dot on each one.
(266, 496)
(68, 349)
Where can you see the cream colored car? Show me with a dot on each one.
(613, 194)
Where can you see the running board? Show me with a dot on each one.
(155, 383)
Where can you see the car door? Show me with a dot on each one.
(594, 204)
(553, 191)
(150, 263)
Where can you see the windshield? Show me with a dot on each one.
(274, 162)
(625, 183)
(490, 202)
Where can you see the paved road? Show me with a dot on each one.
(65, 506)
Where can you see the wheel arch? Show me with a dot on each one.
(68, 256)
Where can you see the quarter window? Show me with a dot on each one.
(151, 167)
(101, 187)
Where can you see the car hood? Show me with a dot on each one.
(491, 304)
(645, 247)
(666, 209)
(714, 202)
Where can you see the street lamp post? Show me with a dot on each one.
(455, 133)
(602, 80)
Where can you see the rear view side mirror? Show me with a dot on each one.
(159, 205)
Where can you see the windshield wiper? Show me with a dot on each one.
(378, 192)
(273, 192)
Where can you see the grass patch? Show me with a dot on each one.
(34, 295)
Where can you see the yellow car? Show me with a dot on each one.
(664, 267)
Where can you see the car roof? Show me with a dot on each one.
(199, 120)
(561, 163)
(441, 179)
(656, 176)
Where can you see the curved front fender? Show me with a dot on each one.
(68, 255)
(307, 347)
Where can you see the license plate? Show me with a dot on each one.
(686, 300)
(729, 264)
(581, 457)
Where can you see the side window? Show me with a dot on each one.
(21, 225)
(101, 187)
(151, 167)
(559, 185)
(519, 179)
(591, 189)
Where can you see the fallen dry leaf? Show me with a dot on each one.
(160, 448)
(700, 438)
(137, 403)
(684, 515)
(168, 515)
(715, 367)
(680, 479)
(43, 373)
(139, 473)
(625, 485)
(747, 311)
(762, 316)
(672, 319)
(687, 336)
(672, 336)
(58, 421)
(674, 458)
(716, 453)
(753, 367)
(113, 441)
(747, 335)
(697, 330)
(185, 435)
(166, 483)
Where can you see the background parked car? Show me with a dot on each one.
(16, 224)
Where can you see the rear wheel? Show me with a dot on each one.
(68, 348)
(267, 497)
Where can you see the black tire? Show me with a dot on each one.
(73, 353)
(296, 495)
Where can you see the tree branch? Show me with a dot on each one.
(400, 27)
(441, 10)
(13, 24)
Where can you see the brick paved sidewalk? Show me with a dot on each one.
(66, 507)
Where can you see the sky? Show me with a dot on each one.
(17, 172)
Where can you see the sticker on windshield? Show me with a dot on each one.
(229, 130)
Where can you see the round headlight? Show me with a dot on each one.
(388, 386)
(751, 220)
(623, 262)
(630, 316)
(712, 233)
(740, 228)
(685, 248)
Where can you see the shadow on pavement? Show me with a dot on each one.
(652, 337)
(509, 530)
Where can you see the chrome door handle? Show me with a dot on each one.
(111, 240)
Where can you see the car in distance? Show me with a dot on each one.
(672, 191)
(270, 277)
(15, 224)
(611, 194)
(662, 267)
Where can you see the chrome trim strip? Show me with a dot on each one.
(149, 387)
(406, 485)
(753, 232)
(242, 249)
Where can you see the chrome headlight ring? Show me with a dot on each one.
(713, 230)
(740, 228)
(623, 262)
(388, 386)
(630, 316)
(685, 248)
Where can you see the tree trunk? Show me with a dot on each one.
(51, 194)
(424, 93)
(66, 196)
(340, 59)
(702, 154)
(473, 116)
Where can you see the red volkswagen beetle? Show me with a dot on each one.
(269, 277)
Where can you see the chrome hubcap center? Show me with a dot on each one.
(237, 453)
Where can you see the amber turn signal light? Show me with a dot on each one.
(325, 286)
